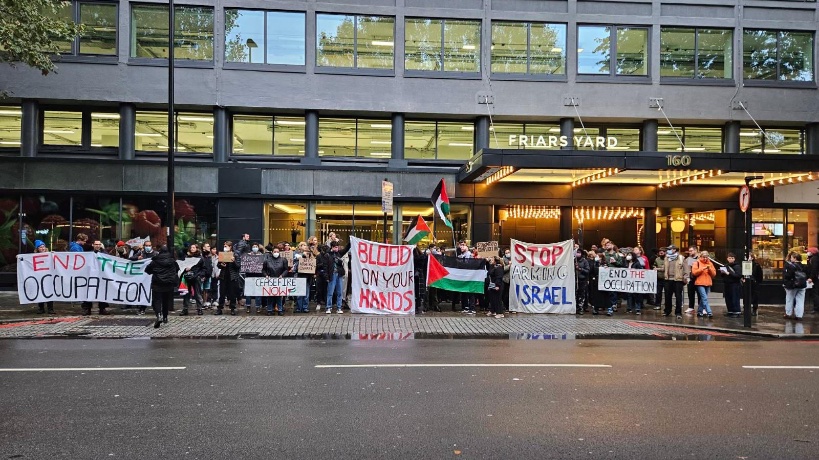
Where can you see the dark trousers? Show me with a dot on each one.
(230, 292)
(814, 294)
(674, 288)
(495, 301)
(732, 295)
(161, 303)
(581, 294)
(194, 290)
(321, 289)
(505, 296)
(86, 306)
(658, 299)
(692, 291)
(432, 294)
(49, 305)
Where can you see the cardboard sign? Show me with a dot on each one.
(226, 257)
(275, 287)
(487, 249)
(288, 255)
(251, 263)
(307, 265)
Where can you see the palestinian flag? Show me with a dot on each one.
(441, 203)
(417, 231)
(454, 274)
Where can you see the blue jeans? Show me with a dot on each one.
(703, 291)
(635, 302)
(277, 302)
(302, 303)
(258, 301)
(335, 285)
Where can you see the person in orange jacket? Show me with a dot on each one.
(703, 272)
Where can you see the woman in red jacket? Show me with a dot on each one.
(703, 272)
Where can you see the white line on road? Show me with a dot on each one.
(85, 369)
(780, 367)
(351, 366)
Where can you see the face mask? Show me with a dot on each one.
(148, 249)
(255, 249)
(628, 257)
(276, 255)
(507, 255)
(226, 249)
(578, 255)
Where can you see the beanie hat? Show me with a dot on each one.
(120, 244)
(813, 250)
(38, 243)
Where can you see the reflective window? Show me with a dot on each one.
(627, 139)
(194, 132)
(363, 42)
(774, 140)
(455, 141)
(777, 55)
(528, 48)
(66, 14)
(100, 21)
(10, 126)
(271, 37)
(62, 128)
(428, 140)
(265, 135)
(285, 222)
(768, 241)
(585, 138)
(104, 129)
(696, 53)
(420, 140)
(193, 32)
(695, 139)
(596, 45)
(799, 226)
(450, 45)
(350, 137)
(525, 136)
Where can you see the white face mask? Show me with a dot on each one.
(255, 249)
(148, 249)
(276, 255)
(628, 257)
(226, 249)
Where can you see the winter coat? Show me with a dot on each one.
(813, 268)
(496, 275)
(618, 259)
(703, 272)
(143, 254)
(659, 264)
(635, 263)
(274, 267)
(682, 271)
(229, 271)
(789, 275)
(581, 268)
(164, 273)
(507, 265)
(734, 273)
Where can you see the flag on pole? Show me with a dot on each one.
(417, 231)
(454, 274)
(441, 203)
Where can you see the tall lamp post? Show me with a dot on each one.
(745, 207)
(171, 128)
(250, 45)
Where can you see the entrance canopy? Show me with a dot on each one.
(581, 167)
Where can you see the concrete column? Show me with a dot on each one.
(649, 229)
(812, 139)
(482, 221)
(649, 136)
(221, 135)
(397, 142)
(127, 130)
(567, 129)
(566, 223)
(310, 224)
(397, 217)
(30, 135)
(730, 137)
(311, 138)
(481, 134)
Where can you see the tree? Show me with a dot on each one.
(31, 30)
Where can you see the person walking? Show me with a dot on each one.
(703, 272)
(676, 273)
(495, 288)
(164, 273)
(275, 266)
(795, 281)
(731, 277)
(39, 246)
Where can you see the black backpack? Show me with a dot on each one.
(340, 267)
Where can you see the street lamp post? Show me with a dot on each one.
(171, 128)
(250, 45)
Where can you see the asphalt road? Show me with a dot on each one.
(267, 399)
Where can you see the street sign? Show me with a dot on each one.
(747, 268)
(744, 198)
(386, 197)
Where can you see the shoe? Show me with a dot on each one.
(247, 310)
(269, 313)
(329, 310)
(595, 312)
(281, 313)
(339, 311)
(141, 312)
(257, 310)
(609, 313)
(797, 318)
(218, 312)
(689, 310)
(184, 312)
(699, 315)
(753, 313)
(787, 316)
(157, 323)
(637, 312)
(490, 313)
(656, 308)
(470, 312)
(165, 319)
(86, 312)
(232, 312)
(666, 314)
(579, 313)
(679, 316)
(51, 312)
(199, 312)
(710, 315)
(628, 311)
(103, 312)
(499, 316)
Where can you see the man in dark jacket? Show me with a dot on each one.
(335, 271)
(194, 278)
(229, 279)
(275, 266)
(164, 273)
(813, 275)
(146, 252)
(731, 276)
(581, 272)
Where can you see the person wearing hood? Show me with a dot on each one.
(275, 266)
(581, 273)
(813, 275)
(675, 274)
(164, 273)
(39, 246)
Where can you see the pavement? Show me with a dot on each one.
(23, 321)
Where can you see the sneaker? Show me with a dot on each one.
(679, 316)
(206, 304)
(657, 308)
(609, 313)
(499, 316)
(666, 314)
(710, 315)
(628, 311)
(470, 312)
(689, 310)
(637, 312)
(699, 315)
(329, 310)
(339, 311)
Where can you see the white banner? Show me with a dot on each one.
(382, 277)
(542, 278)
(627, 280)
(190, 262)
(80, 277)
(275, 287)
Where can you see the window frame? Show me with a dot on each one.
(442, 73)
(612, 76)
(355, 70)
(9, 147)
(764, 140)
(74, 55)
(164, 153)
(358, 155)
(436, 159)
(683, 128)
(695, 80)
(163, 62)
(528, 76)
(272, 156)
(85, 136)
(264, 66)
(777, 82)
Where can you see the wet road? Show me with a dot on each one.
(268, 399)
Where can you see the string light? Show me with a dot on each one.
(583, 213)
(597, 176)
(534, 212)
(772, 180)
(499, 174)
(692, 176)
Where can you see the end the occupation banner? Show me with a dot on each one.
(542, 278)
(80, 277)
(383, 278)
(627, 280)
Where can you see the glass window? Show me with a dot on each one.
(597, 44)
(194, 133)
(285, 38)
(193, 32)
(285, 222)
(100, 21)
(104, 129)
(244, 34)
(364, 42)
(585, 138)
(336, 137)
(695, 139)
(10, 126)
(374, 138)
(66, 14)
(778, 55)
(768, 242)
(534, 130)
(151, 132)
(362, 138)
(528, 48)
(62, 128)
(442, 45)
(429, 140)
(420, 140)
(627, 139)
(500, 133)
(288, 135)
(248, 39)
(696, 53)
(773, 140)
(801, 223)
(455, 141)
(265, 135)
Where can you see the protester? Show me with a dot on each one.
(731, 275)
(229, 279)
(594, 295)
(634, 301)
(676, 274)
(302, 252)
(755, 280)
(659, 266)
(164, 281)
(214, 278)
(86, 306)
(257, 301)
(692, 289)
(335, 271)
(703, 272)
(275, 266)
(39, 246)
(795, 281)
(79, 243)
(467, 299)
(581, 273)
(194, 278)
(813, 275)
(507, 266)
(612, 258)
(146, 252)
(206, 273)
(323, 260)
(495, 287)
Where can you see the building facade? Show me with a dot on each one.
(548, 119)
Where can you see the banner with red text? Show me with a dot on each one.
(383, 278)
(542, 278)
(82, 276)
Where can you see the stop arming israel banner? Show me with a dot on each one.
(383, 278)
(81, 277)
(542, 278)
(627, 280)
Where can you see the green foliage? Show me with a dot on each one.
(185, 232)
(32, 31)
(110, 214)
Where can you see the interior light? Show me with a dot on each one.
(10, 143)
(381, 142)
(290, 123)
(467, 128)
(580, 50)
(747, 134)
(382, 43)
(772, 151)
(106, 116)
(96, 145)
(294, 139)
(468, 47)
(11, 112)
(58, 131)
(460, 144)
(663, 132)
(148, 135)
(381, 126)
(191, 118)
(557, 50)
(380, 154)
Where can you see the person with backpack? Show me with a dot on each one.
(164, 273)
(795, 281)
(335, 271)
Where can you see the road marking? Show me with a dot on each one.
(85, 369)
(780, 367)
(353, 366)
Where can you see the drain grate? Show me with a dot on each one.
(122, 322)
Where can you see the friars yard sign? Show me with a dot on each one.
(525, 141)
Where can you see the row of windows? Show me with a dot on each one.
(363, 138)
(443, 45)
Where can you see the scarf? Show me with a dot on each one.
(672, 257)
